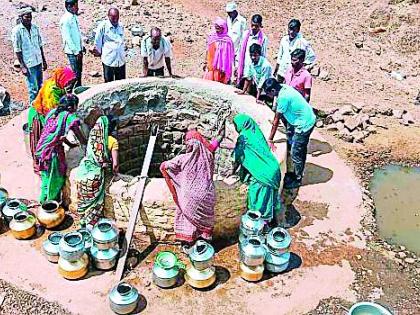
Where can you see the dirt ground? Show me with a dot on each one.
(358, 43)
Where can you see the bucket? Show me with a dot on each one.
(26, 140)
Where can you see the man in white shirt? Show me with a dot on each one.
(236, 28)
(27, 44)
(109, 44)
(156, 51)
(288, 44)
(72, 38)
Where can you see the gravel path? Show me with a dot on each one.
(14, 301)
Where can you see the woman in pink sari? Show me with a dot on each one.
(220, 54)
(190, 179)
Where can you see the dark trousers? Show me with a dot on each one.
(113, 73)
(297, 145)
(77, 66)
(156, 72)
(34, 81)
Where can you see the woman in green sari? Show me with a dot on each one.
(259, 169)
(90, 177)
(50, 151)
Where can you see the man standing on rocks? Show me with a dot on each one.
(156, 51)
(259, 71)
(288, 44)
(27, 44)
(236, 28)
(72, 38)
(299, 119)
(297, 76)
(109, 44)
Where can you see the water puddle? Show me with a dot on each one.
(396, 193)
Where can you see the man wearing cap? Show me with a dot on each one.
(288, 44)
(27, 44)
(236, 28)
(156, 51)
(72, 38)
(109, 44)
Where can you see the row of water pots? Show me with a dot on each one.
(258, 252)
(22, 222)
(72, 250)
(199, 274)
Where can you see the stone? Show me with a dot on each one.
(351, 122)
(178, 137)
(319, 124)
(324, 75)
(337, 116)
(402, 255)
(385, 111)
(410, 260)
(397, 113)
(137, 30)
(359, 136)
(397, 75)
(315, 70)
(136, 40)
(94, 74)
(371, 129)
(346, 110)
(407, 119)
(358, 106)
(345, 135)
(339, 126)
(16, 64)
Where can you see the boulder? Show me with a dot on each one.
(351, 122)
(359, 136)
(346, 110)
(345, 135)
(398, 113)
(407, 119)
(336, 117)
(339, 126)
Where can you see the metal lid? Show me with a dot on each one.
(279, 238)
(104, 231)
(201, 251)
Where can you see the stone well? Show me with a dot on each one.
(175, 106)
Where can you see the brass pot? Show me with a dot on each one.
(251, 274)
(51, 214)
(73, 270)
(23, 225)
(200, 279)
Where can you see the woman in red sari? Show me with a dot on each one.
(190, 179)
(220, 54)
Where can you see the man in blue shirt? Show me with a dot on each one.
(255, 75)
(299, 118)
(72, 38)
(109, 44)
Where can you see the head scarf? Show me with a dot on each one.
(194, 134)
(24, 10)
(52, 90)
(253, 152)
(225, 52)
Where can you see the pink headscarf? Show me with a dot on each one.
(225, 53)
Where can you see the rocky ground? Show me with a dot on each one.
(366, 87)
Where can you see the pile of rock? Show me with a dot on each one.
(354, 122)
(4, 102)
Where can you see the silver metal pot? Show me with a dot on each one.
(71, 246)
(253, 252)
(166, 269)
(251, 223)
(51, 247)
(123, 298)
(104, 259)
(87, 239)
(3, 197)
(278, 241)
(276, 263)
(201, 255)
(10, 208)
(105, 234)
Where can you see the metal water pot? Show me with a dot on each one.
(51, 214)
(201, 255)
(10, 208)
(23, 225)
(3, 197)
(75, 269)
(104, 259)
(251, 224)
(51, 245)
(200, 279)
(251, 274)
(278, 241)
(105, 234)
(71, 246)
(252, 253)
(276, 263)
(166, 269)
(123, 298)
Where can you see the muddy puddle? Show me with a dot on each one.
(396, 193)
